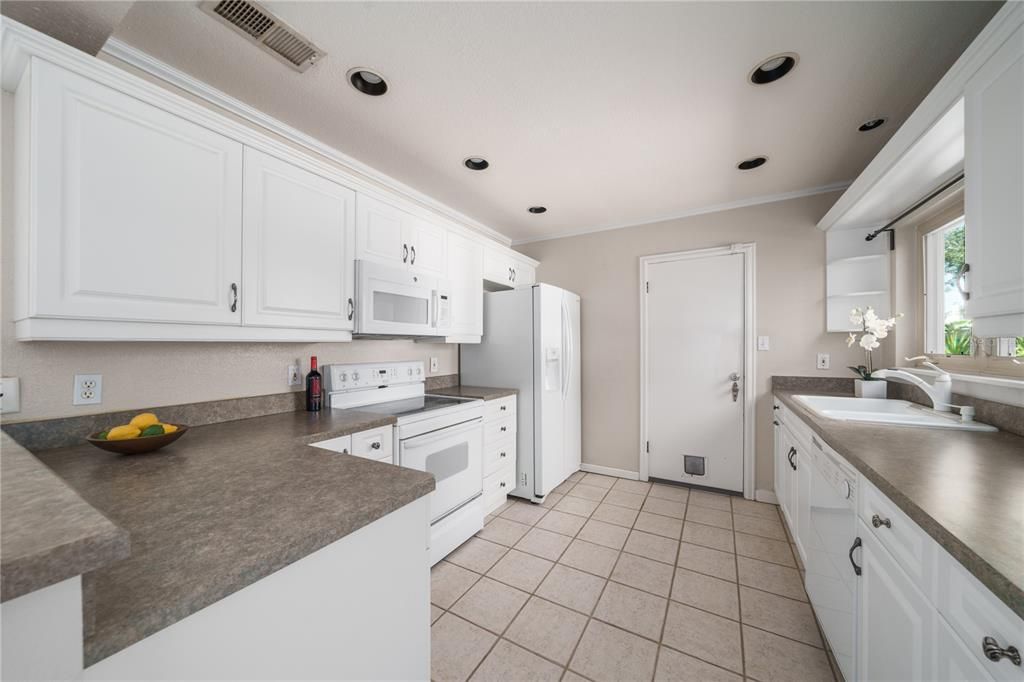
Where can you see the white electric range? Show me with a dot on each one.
(441, 435)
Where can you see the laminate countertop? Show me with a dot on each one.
(478, 392)
(223, 507)
(964, 488)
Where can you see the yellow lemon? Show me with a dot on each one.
(169, 428)
(123, 432)
(143, 420)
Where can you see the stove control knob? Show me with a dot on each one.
(344, 376)
(410, 371)
(418, 371)
(355, 376)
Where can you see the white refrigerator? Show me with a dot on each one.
(531, 342)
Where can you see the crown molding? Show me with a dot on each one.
(712, 208)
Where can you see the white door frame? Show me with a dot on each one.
(749, 366)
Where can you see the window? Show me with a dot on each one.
(948, 331)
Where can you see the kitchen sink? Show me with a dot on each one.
(883, 411)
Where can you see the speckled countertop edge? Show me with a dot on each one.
(479, 392)
(1009, 592)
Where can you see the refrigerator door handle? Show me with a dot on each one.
(567, 348)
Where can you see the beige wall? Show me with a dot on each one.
(137, 375)
(603, 268)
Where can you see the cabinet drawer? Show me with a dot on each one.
(499, 455)
(342, 445)
(974, 613)
(501, 482)
(373, 444)
(913, 549)
(499, 430)
(500, 408)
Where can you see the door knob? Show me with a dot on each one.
(735, 376)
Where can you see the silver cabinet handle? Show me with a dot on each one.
(412, 250)
(503, 408)
(961, 281)
(501, 455)
(504, 428)
(994, 652)
(351, 308)
(792, 453)
(375, 445)
(856, 569)
(510, 274)
(514, 274)
(234, 297)
(405, 253)
(503, 484)
(877, 521)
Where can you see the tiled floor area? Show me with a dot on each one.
(623, 580)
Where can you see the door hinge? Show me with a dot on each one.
(648, 285)
(648, 446)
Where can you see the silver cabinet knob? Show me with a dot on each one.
(877, 521)
(501, 455)
(504, 428)
(375, 445)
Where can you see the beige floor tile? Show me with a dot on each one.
(589, 557)
(503, 531)
(575, 589)
(570, 676)
(606, 534)
(676, 493)
(644, 574)
(624, 499)
(708, 516)
(708, 536)
(752, 508)
(652, 546)
(448, 582)
(600, 480)
(707, 561)
(781, 615)
(544, 543)
(435, 613)
(524, 512)
(656, 505)
(659, 525)
(510, 662)
(588, 492)
(769, 657)
(706, 592)
(564, 487)
(675, 667)
(609, 654)
(702, 498)
(709, 637)
(752, 525)
(560, 522)
(477, 555)
(771, 578)
(765, 549)
(620, 516)
(576, 476)
(551, 500)
(521, 570)
(547, 629)
(639, 612)
(456, 647)
(635, 487)
(490, 604)
(576, 505)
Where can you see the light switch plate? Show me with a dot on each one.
(433, 364)
(10, 395)
(88, 389)
(294, 375)
(762, 343)
(824, 361)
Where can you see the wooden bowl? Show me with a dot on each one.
(137, 446)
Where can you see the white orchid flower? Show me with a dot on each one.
(870, 316)
(869, 342)
(855, 316)
(852, 340)
(880, 328)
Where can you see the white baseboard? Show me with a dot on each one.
(766, 496)
(610, 471)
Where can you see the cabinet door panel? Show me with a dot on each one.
(380, 231)
(427, 244)
(138, 212)
(497, 266)
(291, 217)
(465, 272)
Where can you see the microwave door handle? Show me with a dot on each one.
(434, 300)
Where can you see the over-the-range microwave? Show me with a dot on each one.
(395, 301)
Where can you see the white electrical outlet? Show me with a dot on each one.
(763, 343)
(88, 389)
(824, 360)
(294, 375)
(10, 395)
(433, 364)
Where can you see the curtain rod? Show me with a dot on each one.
(889, 226)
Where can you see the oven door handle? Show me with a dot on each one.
(427, 439)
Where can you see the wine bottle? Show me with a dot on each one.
(314, 394)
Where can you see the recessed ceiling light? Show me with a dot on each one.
(537, 209)
(773, 68)
(367, 82)
(751, 164)
(477, 163)
(871, 125)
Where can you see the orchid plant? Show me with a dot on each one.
(873, 329)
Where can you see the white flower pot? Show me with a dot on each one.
(869, 389)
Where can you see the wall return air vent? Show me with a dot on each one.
(260, 26)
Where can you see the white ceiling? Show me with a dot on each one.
(607, 113)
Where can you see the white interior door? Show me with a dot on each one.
(694, 337)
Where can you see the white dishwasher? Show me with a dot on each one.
(829, 542)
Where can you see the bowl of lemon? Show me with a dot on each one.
(144, 433)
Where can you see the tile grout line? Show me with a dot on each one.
(671, 587)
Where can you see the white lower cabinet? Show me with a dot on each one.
(499, 451)
(376, 444)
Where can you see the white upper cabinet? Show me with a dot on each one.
(994, 191)
(128, 213)
(290, 213)
(387, 234)
(465, 268)
(505, 269)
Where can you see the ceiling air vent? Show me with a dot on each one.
(260, 26)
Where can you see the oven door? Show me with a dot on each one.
(454, 455)
(395, 301)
